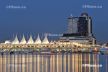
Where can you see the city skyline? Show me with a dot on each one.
(49, 16)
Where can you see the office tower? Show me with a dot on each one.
(72, 24)
(84, 25)
(79, 29)
(80, 26)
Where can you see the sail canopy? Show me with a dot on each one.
(23, 40)
(45, 40)
(38, 40)
(30, 41)
(15, 41)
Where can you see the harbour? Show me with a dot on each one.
(73, 51)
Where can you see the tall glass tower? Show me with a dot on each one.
(79, 29)
(80, 25)
(85, 25)
(72, 25)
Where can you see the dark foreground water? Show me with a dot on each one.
(53, 63)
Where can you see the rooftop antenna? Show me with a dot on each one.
(71, 15)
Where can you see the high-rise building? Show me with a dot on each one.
(79, 29)
(85, 25)
(72, 24)
(80, 25)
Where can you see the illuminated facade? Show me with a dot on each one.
(29, 41)
(79, 32)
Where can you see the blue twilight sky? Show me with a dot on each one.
(40, 16)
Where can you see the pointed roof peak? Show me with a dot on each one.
(38, 40)
(30, 41)
(45, 40)
(23, 40)
(15, 41)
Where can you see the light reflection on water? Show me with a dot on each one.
(53, 63)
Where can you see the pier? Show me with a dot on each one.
(59, 47)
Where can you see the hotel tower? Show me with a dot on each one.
(79, 29)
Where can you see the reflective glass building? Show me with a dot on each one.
(81, 26)
(79, 29)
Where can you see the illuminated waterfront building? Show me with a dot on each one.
(29, 41)
(81, 25)
(79, 33)
(79, 30)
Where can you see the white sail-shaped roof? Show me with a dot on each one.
(45, 40)
(15, 41)
(38, 40)
(23, 40)
(30, 41)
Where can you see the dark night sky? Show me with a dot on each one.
(42, 16)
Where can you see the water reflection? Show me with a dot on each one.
(53, 63)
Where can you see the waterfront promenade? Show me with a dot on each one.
(50, 47)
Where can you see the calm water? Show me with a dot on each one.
(53, 63)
